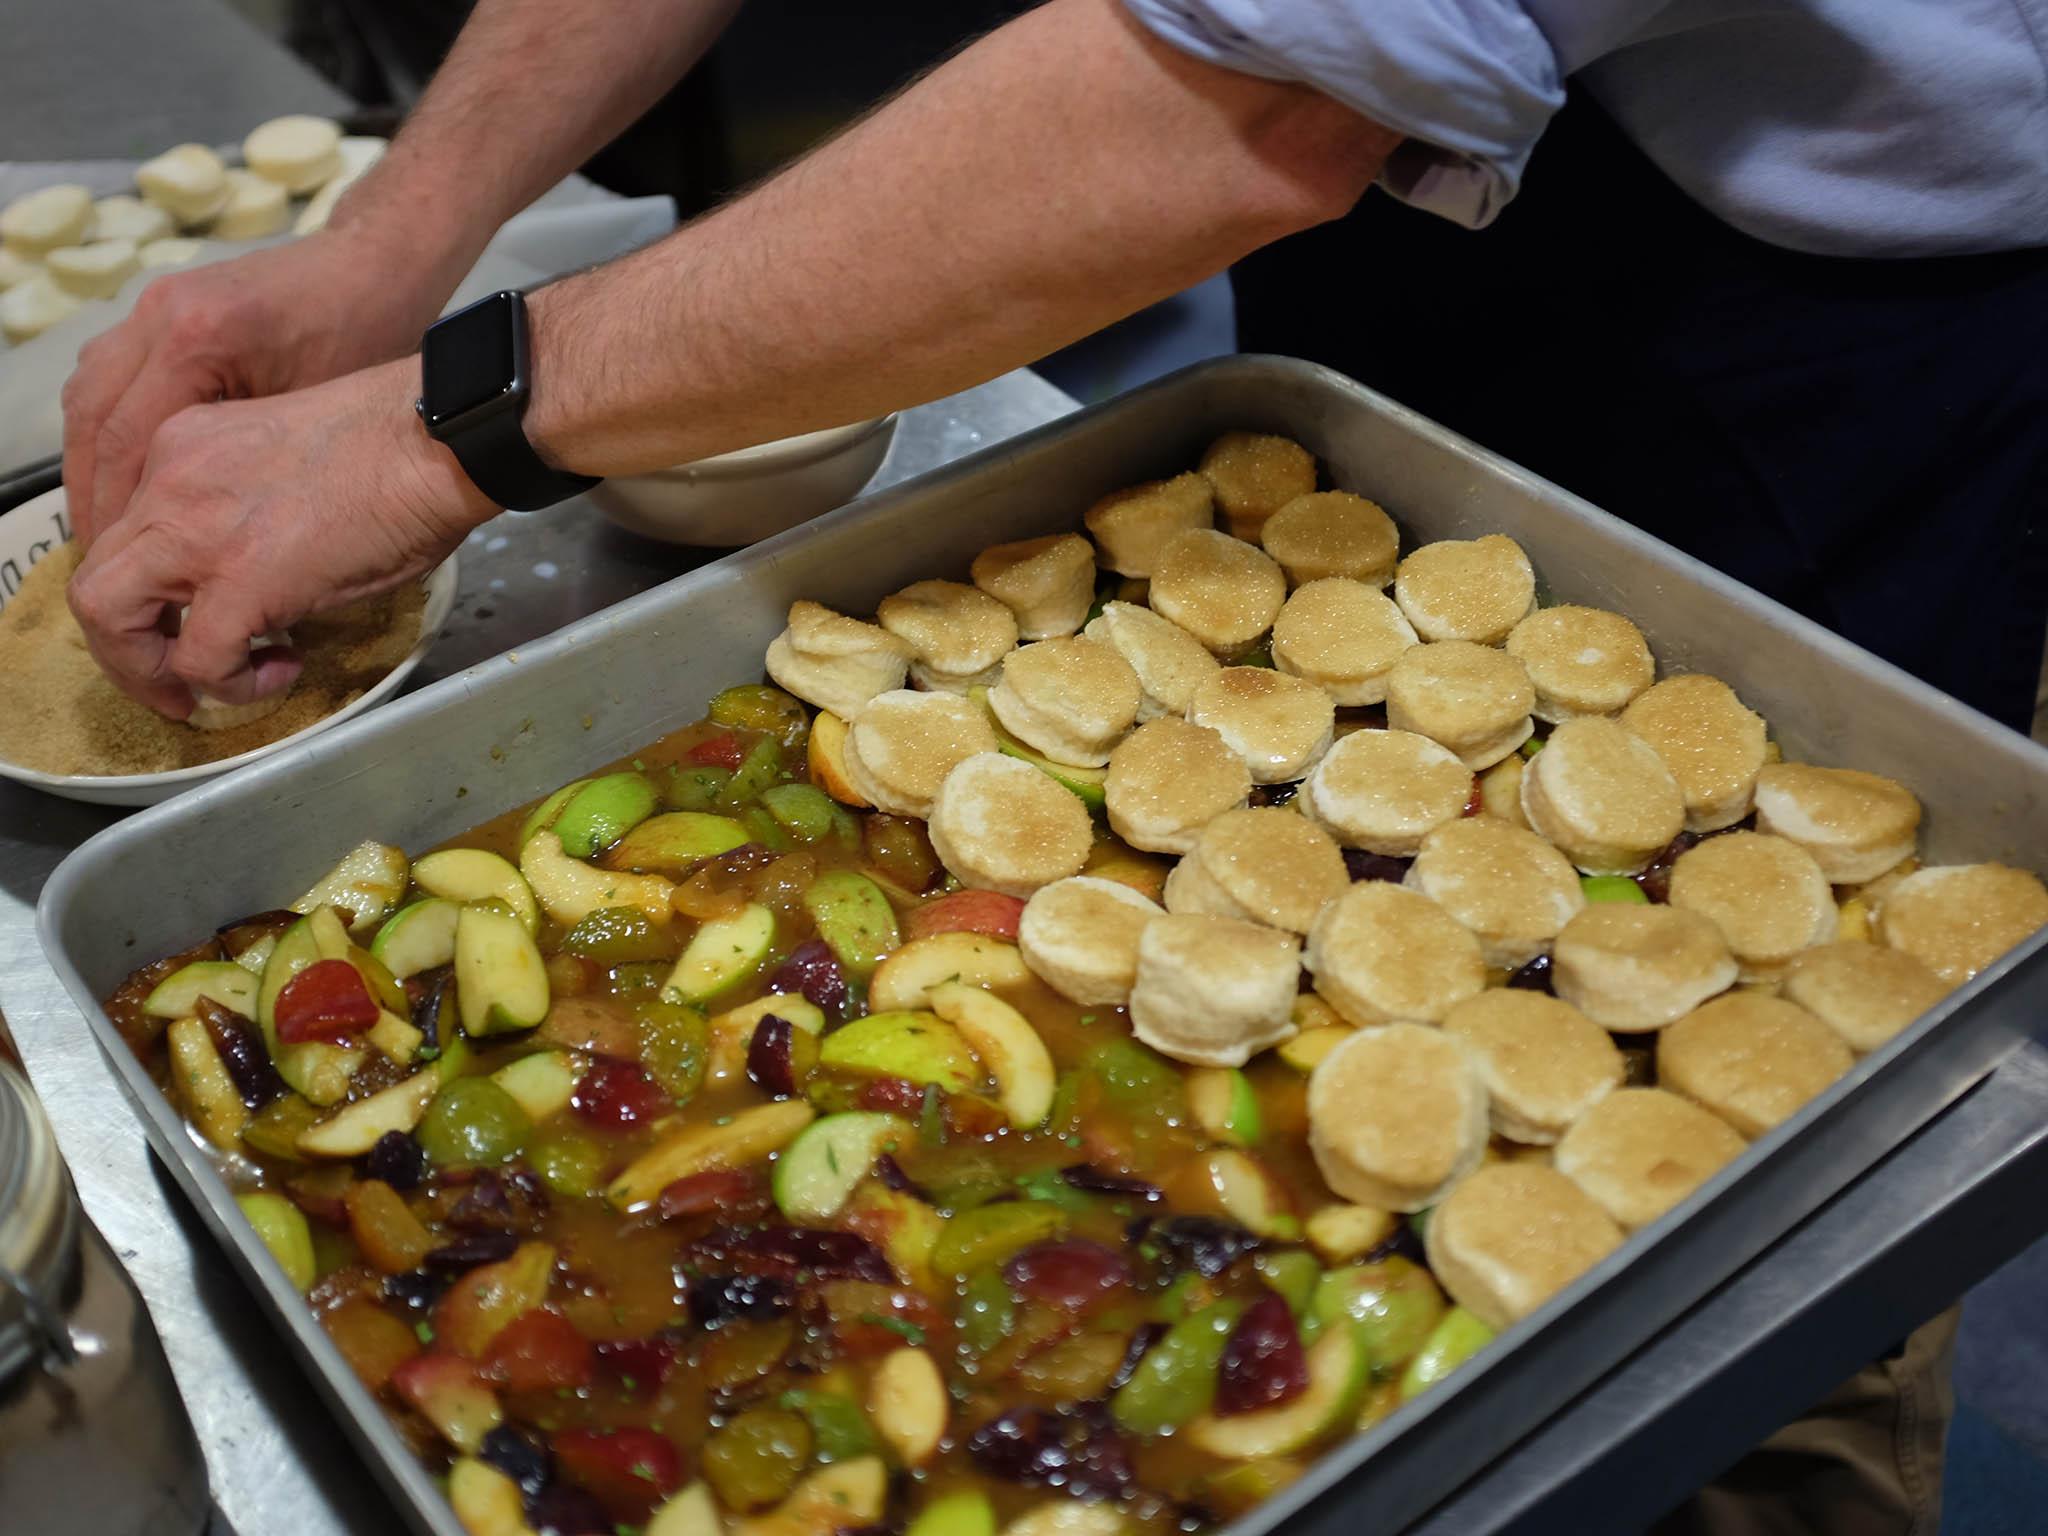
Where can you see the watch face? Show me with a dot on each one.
(470, 359)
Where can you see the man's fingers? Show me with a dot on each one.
(211, 654)
(106, 366)
(158, 392)
(119, 601)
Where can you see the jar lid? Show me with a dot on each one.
(38, 1225)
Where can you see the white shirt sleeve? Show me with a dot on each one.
(1471, 83)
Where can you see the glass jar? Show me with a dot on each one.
(93, 1436)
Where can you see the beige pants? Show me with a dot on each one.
(1865, 1462)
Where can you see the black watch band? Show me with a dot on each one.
(501, 463)
(476, 376)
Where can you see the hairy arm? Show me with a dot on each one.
(1064, 172)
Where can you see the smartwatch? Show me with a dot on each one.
(476, 376)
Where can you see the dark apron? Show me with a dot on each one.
(1864, 440)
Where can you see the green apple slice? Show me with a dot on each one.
(501, 982)
(674, 841)
(282, 1226)
(177, 995)
(465, 875)
(1250, 1194)
(964, 1512)
(1007, 1045)
(1088, 783)
(1339, 1371)
(205, 1086)
(369, 881)
(1067, 1517)
(318, 1069)
(542, 816)
(571, 890)
(488, 1503)
(355, 1128)
(854, 918)
(417, 937)
(1225, 1105)
(907, 976)
(746, 1138)
(603, 811)
(541, 1084)
(818, 1170)
(723, 952)
(921, 1047)
(1456, 1339)
(690, 1511)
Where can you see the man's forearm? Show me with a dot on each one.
(1062, 173)
(531, 89)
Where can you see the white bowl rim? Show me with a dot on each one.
(441, 584)
(781, 453)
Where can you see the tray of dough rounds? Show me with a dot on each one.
(432, 765)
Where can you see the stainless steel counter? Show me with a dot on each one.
(1894, 1248)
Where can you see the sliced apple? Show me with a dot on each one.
(827, 758)
(1339, 1371)
(963, 1512)
(369, 881)
(571, 890)
(1312, 1045)
(1067, 1517)
(854, 918)
(603, 811)
(1225, 1105)
(203, 1083)
(914, 1045)
(282, 1226)
(904, 1227)
(903, 980)
(541, 1084)
(1007, 1045)
(721, 954)
(320, 1071)
(747, 1138)
(417, 937)
(819, 1169)
(1456, 1339)
(908, 1405)
(1245, 1190)
(501, 981)
(673, 842)
(732, 1031)
(488, 1503)
(1340, 1233)
(177, 995)
(543, 816)
(395, 1039)
(354, 1129)
(450, 1396)
(843, 1496)
(690, 1511)
(466, 875)
(1142, 873)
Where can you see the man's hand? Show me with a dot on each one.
(257, 513)
(264, 323)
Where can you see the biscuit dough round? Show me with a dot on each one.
(1712, 743)
(1856, 825)
(1767, 896)
(835, 662)
(1385, 791)
(1342, 635)
(122, 217)
(999, 824)
(1333, 533)
(16, 268)
(1254, 475)
(1080, 937)
(254, 208)
(1381, 952)
(297, 153)
(1280, 725)
(1264, 865)
(1466, 589)
(1544, 1063)
(1167, 780)
(1512, 1236)
(94, 271)
(1130, 526)
(1223, 591)
(1602, 795)
(1865, 993)
(187, 181)
(46, 219)
(1632, 968)
(1506, 884)
(1956, 919)
(1048, 583)
(1171, 663)
(1752, 1059)
(1471, 698)
(30, 308)
(1640, 1151)
(956, 633)
(1072, 699)
(1581, 661)
(1396, 1116)
(1214, 991)
(901, 745)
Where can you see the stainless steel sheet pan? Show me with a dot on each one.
(428, 766)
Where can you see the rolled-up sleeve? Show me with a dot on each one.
(1471, 83)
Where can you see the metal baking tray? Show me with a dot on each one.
(430, 765)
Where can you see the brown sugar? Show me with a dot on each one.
(60, 714)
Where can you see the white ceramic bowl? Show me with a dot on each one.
(38, 525)
(745, 496)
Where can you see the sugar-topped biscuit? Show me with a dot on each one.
(1866, 993)
(1130, 526)
(1581, 661)
(1600, 793)
(999, 824)
(957, 634)
(1544, 1063)
(1080, 937)
(1512, 1236)
(1213, 991)
(1265, 865)
(1856, 825)
(1640, 1151)
(1712, 743)
(1750, 1058)
(1279, 725)
(1223, 591)
(901, 745)
(1254, 475)
(1381, 952)
(1629, 967)
(1472, 698)
(1957, 918)
(1171, 663)
(1397, 1116)
(1333, 533)
(1466, 589)
(1767, 896)
(1384, 791)
(1048, 583)
(1511, 888)
(835, 662)
(1167, 780)
(1072, 698)
(1343, 636)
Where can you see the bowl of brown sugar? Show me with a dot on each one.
(66, 729)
